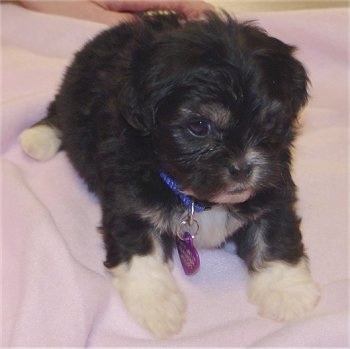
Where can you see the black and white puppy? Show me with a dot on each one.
(176, 125)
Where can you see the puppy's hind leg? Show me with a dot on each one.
(43, 140)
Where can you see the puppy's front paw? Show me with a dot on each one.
(150, 294)
(283, 292)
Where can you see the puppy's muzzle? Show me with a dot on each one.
(240, 171)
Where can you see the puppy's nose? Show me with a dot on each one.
(240, 172)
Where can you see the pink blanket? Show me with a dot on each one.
(55, 289)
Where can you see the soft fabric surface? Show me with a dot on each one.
(55, 289)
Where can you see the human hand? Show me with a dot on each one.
(112, 12)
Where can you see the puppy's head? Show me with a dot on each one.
(219, 100)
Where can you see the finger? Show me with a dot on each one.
(85, 10)
(191, 9)
(112, 18)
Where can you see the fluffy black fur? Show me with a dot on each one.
(191, 99)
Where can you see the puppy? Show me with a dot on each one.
(184, 131)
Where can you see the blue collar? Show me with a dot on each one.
(185, 199)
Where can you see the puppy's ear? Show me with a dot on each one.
(284, 78)
(138, 115)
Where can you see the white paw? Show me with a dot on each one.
(150, 294)
(40, 142)
(283, 292)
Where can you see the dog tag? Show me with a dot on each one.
(188, 254)
(187, 231)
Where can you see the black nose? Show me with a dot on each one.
(240, 172)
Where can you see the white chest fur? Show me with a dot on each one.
(215, 225)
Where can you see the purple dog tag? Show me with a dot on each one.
(188, 254)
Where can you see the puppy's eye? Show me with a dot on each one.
(199, 128)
